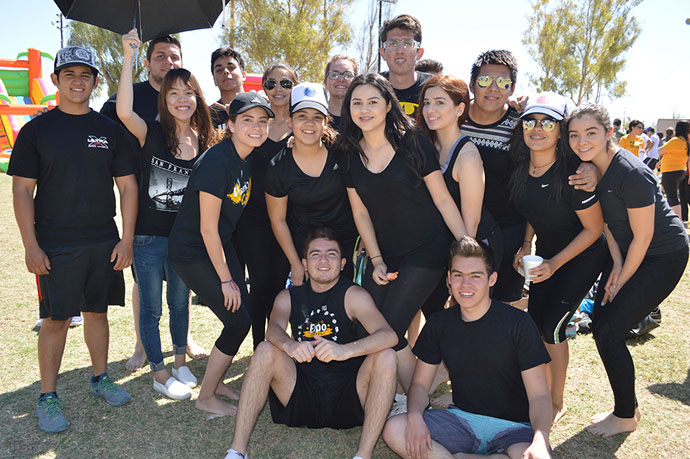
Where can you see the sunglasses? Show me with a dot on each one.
(270, 84)
(335, 75)
(546, 124)
(484, 81)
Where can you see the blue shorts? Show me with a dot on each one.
(462, 432)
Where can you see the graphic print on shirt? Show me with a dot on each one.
(319, 322)
(241, 192)
(97, 142)
(167, 184)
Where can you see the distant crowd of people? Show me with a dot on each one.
(378, 198)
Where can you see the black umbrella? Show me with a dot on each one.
(152, 18)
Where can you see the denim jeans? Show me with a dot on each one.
(150, 265)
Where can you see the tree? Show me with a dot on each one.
(580, 46)
(300, 32)
(367, 42)
(107, 47)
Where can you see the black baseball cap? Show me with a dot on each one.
(247, 100)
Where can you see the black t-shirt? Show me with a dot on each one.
(262, 156)
(163, 181)
(485, 358)
(145, 103)
(629, 184)
(312, 201)
(487, 223)
(409, 97)
(493, 143)
(219, 115)
(323, 314)
(556, 224)
(222, 173)
(74, 159)
(334, 122)
(404, 215)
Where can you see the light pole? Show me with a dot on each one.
(60, 25)
(378, 53)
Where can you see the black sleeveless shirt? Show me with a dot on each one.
(487, 223)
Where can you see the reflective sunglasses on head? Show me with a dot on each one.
(271, 83)
(335, 75)
(546, 125)
(484, 81)
(405, 43)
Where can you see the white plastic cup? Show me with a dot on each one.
(529, 262)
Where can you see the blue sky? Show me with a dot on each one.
(454, 32)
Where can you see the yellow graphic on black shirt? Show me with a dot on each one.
(241, 192)
(409, 107)
(318, 329)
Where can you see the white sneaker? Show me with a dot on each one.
(185, 376)
(399, 405)
(232, 454)
(173, 389)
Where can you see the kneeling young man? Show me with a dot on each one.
(324, 376)
(496, 360)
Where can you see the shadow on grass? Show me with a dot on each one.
(584, 445)
(640, 340)
(150, 425)
(674, 390)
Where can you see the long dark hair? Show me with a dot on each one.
(397, 125)
(682, 131)
(520, 156)
(201, 119)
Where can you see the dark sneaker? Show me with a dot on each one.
(50, 417)
(113, 394)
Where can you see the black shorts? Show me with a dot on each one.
(325, 395)
(81, 279)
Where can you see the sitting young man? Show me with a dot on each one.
(496, 361)
(324, 376)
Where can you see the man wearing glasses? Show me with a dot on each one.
(401, 41)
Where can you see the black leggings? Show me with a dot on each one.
(653, 281)
(267, 266)
(553, 301)
(201, 277)
(671, 181)
(509, 285)
(400, 299)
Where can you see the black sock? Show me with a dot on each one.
(44, 395)
(95, 379)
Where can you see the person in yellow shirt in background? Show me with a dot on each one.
(633, 141)
(674, 160)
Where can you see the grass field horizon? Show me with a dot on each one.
(153, 426)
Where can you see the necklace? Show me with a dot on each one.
(534, 168)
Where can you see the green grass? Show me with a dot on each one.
(152, 426)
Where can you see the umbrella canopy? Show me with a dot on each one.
(152, 18)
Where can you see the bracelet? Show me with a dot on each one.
(226, 282)
(377, 256)
(526, 242)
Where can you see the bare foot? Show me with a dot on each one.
(214, 405)
(136, 361)
(608, 424)
(225, 390)
(558, 413)
(443, 401)
(194, 351)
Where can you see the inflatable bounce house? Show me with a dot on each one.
(23, 92)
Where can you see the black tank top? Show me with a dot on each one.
(487, 223)
(321, 314)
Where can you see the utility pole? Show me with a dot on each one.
(61, 26)
(378, 53)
